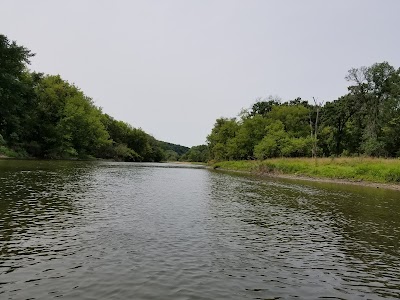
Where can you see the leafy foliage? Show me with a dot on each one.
(366, 121)
(47, 117)
(172, 152)
(196, 154)
(354, 168)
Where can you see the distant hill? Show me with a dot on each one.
(180, 150)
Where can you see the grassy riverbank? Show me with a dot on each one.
(353, 169)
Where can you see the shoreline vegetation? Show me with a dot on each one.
(362, 171)
(353, 139)
(46, 117)
(366, 171)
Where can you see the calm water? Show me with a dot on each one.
(79, 230)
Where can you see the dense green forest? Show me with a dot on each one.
(44, 116)
(173, 152)
(365, 121)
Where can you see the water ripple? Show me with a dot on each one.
(78, 230)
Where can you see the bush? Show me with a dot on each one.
(373, 147)
(21, 153)
(123, 152)
(2, 141)
(268, 147)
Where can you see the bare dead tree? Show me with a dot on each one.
(314, 129)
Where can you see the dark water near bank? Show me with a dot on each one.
(79, 230)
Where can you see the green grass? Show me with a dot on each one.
(361, 168)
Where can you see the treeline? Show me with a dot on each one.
(44, 116)
(196, 154)
(366, 121)
(173, 152)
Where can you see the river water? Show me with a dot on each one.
(103, 230)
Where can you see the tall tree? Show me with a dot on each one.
(16, 89)
(373, 88)
(224, 130)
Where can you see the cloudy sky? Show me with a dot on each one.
(172, 67)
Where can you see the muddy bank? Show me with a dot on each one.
(273, 174)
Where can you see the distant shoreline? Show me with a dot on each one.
(286, 169)
(395, 187)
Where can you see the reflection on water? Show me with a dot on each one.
(100, 230)
(326, 240)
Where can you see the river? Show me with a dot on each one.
(107, 230)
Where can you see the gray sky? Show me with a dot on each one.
(173, 67)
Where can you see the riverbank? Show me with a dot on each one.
(374, 172)
(186, 162)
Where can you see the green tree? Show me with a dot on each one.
(376, 89)
(262, 107)
(295, 119)
(249, 134)
(70, 124)
(224, 130)
(198, 153)
(335, 116)
(16, 90)
(171, 155)
(271, 145)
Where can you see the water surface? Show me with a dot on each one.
(101, 230)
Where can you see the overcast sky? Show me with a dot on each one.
(173, 67)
